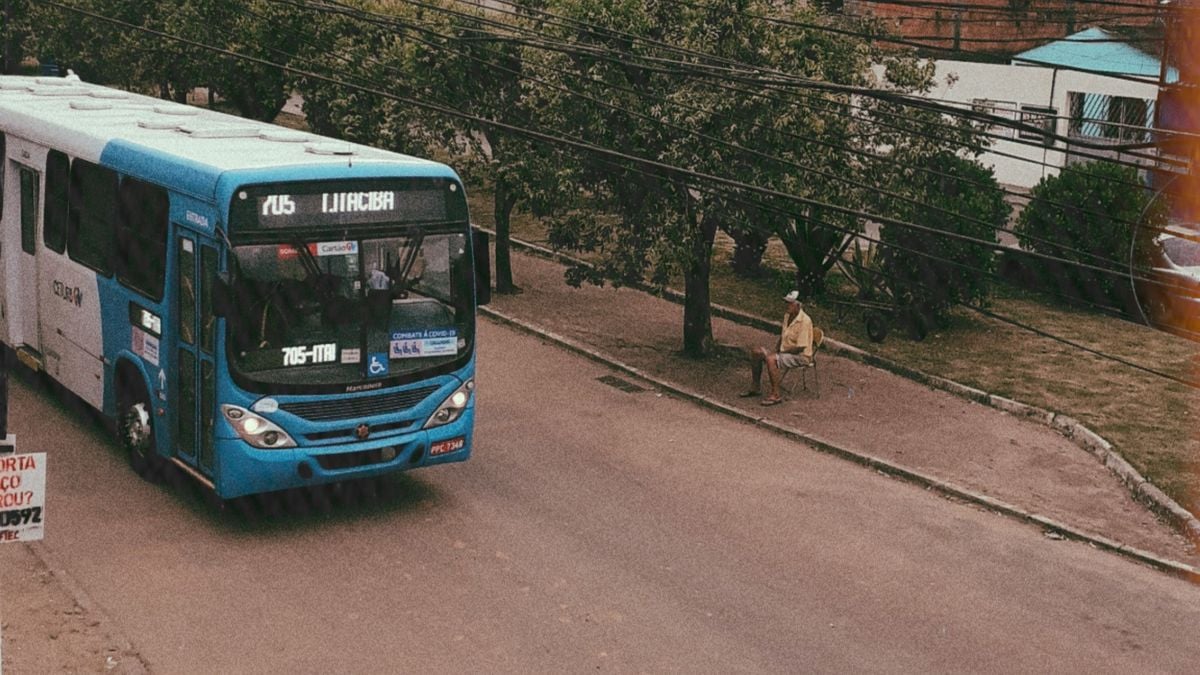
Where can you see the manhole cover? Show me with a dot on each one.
(623, 385)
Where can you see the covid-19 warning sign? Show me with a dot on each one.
(22, 497)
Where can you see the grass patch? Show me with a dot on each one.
(1149, 419)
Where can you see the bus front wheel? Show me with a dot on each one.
(136, 429)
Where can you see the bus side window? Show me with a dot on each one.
(54, 220)
(29, 196)
(187, 292)
(92, 215)
(208, 276)
(142, 237)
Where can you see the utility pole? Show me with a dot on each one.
(1184, 95)
(1177, 114)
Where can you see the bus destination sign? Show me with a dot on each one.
(349, 208)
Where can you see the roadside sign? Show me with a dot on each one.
(22, 497)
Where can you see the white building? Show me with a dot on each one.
(1090, 87)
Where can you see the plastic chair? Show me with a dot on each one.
(818, 340)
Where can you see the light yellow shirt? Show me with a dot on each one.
(797, 335)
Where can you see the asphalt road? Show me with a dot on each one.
(596, 529)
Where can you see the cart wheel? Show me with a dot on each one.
(918, 326)
(877, 326)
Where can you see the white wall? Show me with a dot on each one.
(1021, 164)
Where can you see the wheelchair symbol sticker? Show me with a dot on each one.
(377, 364)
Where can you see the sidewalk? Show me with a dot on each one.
(50, 626)
(861, 409)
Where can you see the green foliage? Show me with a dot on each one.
(14, 31)
(861, 270)
(692, 116)
(1087, 214)
(107, 53)
(927, 270)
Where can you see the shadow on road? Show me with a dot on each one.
(335, 504)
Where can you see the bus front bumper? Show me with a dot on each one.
(244, 469)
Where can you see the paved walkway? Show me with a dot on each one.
(860, 408)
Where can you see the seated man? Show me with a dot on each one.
(793, 349)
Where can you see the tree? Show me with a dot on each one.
(929, 272)
(642, 219)
(463, 63)
(110, 53)
(691, 114)
(14, 29)
(749, 246)
(1088, 214)
(258, 28)
(451, 59)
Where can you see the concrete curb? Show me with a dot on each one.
(1077, 433)
(1178, 569)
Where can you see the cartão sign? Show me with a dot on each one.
(22, 497)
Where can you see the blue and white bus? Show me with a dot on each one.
(263, 308)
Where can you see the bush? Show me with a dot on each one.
(928, 271)
(1086, 214)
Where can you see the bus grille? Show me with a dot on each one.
(354, 408)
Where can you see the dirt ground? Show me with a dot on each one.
(44, 630)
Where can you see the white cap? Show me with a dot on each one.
(794, 296)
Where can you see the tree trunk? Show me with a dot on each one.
(749, 247)
(697, 303)
(502, 206)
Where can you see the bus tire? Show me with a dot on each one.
(135, 428)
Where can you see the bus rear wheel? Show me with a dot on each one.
(136, 430)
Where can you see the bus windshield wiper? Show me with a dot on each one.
(314, 273)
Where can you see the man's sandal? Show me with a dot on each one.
(749, 393)
(771, 401)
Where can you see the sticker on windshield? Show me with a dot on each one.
(337, 247)
(302, 356)
(377, 364)
(323, 248)
(429, 342)
(351, 355)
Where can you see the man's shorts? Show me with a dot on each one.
(791, 360)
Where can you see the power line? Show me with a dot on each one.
(376, 21)
(582, 145)
(893, 97)
(604, 153)
(929, 4)
(868, 92)
(972, 307)
(809, 169)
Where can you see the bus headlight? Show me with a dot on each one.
(452, 408)
(255, 430)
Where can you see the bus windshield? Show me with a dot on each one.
(347, 311)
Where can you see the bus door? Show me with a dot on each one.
(195, 378)
(26, 261)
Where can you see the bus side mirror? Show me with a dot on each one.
(222, 295)
(483, 267)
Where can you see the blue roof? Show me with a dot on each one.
(1096, 50)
